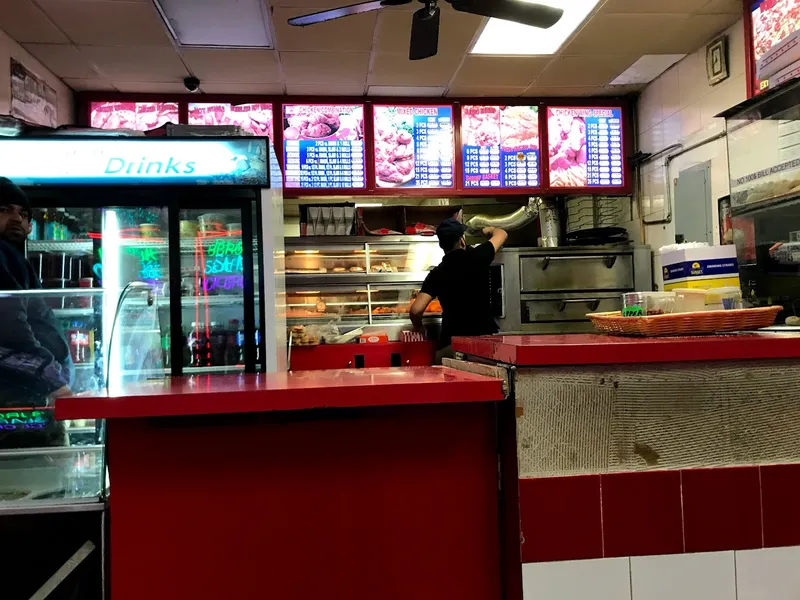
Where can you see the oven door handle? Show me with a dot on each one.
(608, 260)
(593, 303)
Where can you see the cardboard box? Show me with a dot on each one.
(700, 268)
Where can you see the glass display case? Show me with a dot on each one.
(763, 136)
(350, 284)
(45, 464)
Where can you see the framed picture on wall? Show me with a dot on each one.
(717, 60)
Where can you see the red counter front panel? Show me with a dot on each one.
(358, 356)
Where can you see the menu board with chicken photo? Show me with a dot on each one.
(585, 147)
(323, 146)
(500, 146)
(255, 119)
(414, 146)
(136, 116)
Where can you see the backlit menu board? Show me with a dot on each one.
(323, 146)
(500, 146)
(414, 146)
(137, 116)
(776, 42)
(585, 147)
(255, 119)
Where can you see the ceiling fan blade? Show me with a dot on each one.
(425, 33)
(336, 13)
(527, 13)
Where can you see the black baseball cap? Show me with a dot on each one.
(450, 229)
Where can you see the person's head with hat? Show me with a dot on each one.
(451, 235)
(15, 213)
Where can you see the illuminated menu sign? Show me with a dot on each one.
(585, 147)
(255, 119)
(136, 116)
(776, 42)
(414, 146)
(323, 146)
(500, 146)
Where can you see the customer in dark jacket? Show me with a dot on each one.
(35, 363)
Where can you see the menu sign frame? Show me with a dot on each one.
(589, 155)
(409, 150)
(319, 138)
(772, 43)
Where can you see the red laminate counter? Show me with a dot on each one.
(231, 394)
(594, 349)
(344, 485)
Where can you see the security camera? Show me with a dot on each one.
(192, 84)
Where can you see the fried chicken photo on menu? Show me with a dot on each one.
(314, 125)
(519, 128)
(567, 135)
(481, 125)
(394, 149)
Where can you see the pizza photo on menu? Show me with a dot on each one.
(323, 122)
(135, 116)
(394, 146)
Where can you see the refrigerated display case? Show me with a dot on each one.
(339, 285)
(763, 137)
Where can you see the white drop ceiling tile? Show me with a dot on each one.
(407, 92)
(89, 85)
(233, 65)
(695, 31)
(651, 6)
(350, 34)
(104, 23)
(535, 91)
(398, 70)
(25, 22)
(627, 34)
(152, 87)
(325, 68)
(456, 32)
(498, 71)
(271, 89)
(136, 64)
(565, 71)
(476, 91)
(720, 7)
(319, 90)
(63, 60)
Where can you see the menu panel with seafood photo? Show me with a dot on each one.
(414, 147)
(500, 146)
(323, 146)
(585, 147)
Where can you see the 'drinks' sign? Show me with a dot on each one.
(134, 161)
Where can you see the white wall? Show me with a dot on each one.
(678, 108)
(10, 49)
(770, 574)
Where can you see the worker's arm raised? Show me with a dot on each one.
(496, 236)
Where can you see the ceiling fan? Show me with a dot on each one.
(425, 22)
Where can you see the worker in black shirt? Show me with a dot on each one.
(461, 283)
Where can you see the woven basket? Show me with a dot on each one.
(713, 321)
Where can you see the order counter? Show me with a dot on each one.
(344, 485)
(642, 446)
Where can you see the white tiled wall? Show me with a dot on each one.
(679, 107)
(772, 574)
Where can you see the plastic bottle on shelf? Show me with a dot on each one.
(59, 224)
(240, 344)
(79, 343)
(166, 345)
(48, 226)
(218, 343)
(36, 219)
(258, 345)
(232, 348)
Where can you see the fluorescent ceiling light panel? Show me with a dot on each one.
(217, 23)
(505, 37)
(647, 68)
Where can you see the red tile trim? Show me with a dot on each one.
(560, 518)
(642, 513)
(780, 492)
(721, 509)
